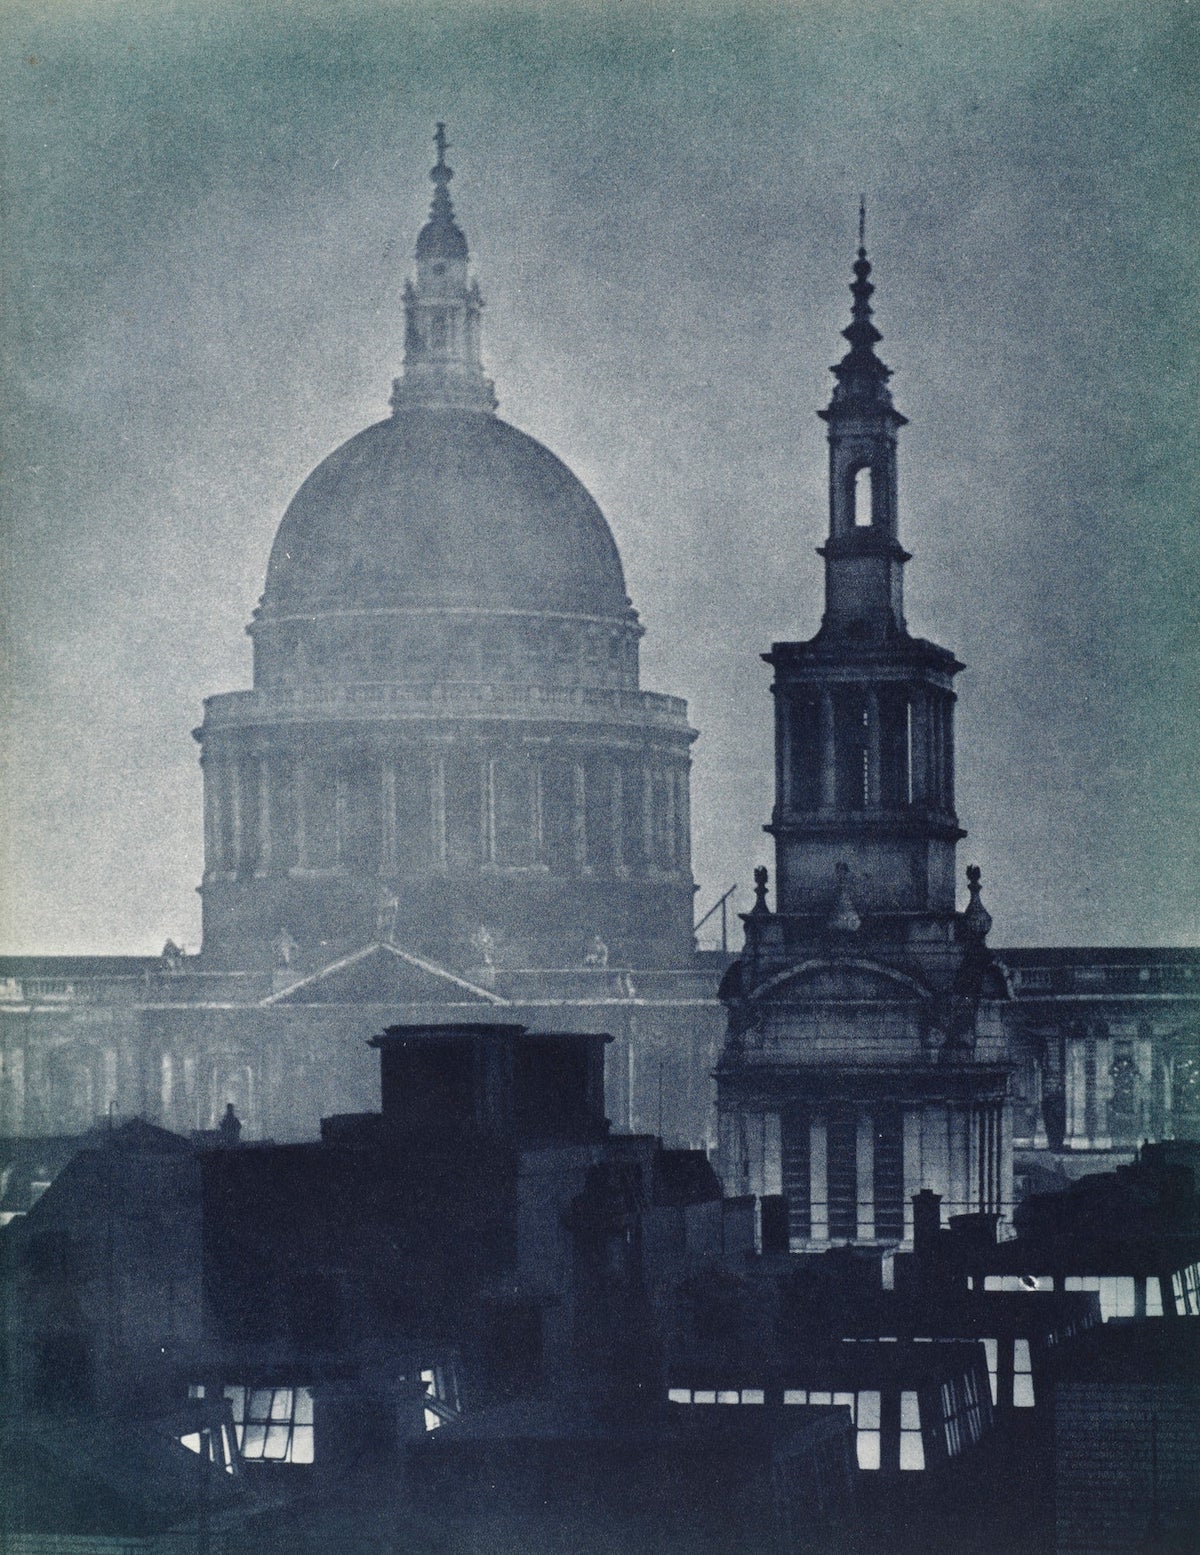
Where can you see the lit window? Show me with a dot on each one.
(196, 1390)
(795, 1396)
(912, 1448)
(950, 1405)
(219, 1448)
(273, 1425)
(990, 1346)
(846, 1400)
(973, 1411)
(753, 1396)
(1022, 1375)
(1154, 1302)
(820, 1398)
(728, 1396)
(704, 1396)
(679, 1395)
(1177, 1291)
(867, 1440)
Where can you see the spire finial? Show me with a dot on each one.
(862, 224)
(442, 144)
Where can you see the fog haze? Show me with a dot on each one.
(211, 213)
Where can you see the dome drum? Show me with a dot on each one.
(435, 645)
(512, 816)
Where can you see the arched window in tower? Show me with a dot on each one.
(863, 505)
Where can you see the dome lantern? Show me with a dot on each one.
(442, 312)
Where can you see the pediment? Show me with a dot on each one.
(383, 974)
(841, 980)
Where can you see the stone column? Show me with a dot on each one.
(264, 815)
(235, 815)
(539, 809)
(648, 816)
(874, 750)
(783, 752)
(828, 753)
(669, 818)
(387, 818)
(818, 1178)
(683, 822)
(301, 781)
(579, 819)
(918, 712)
(864, 1158)
(911, 1123)
(437, 809)
(1005, 1158)
(772, 1154)
(617, 817)
(487, 818)
(958, 1121)
(212, 830)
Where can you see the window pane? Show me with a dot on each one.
(304, 1406)
(728, 1396)
(868, 1411)
(990, 1346)
(847, 1399)
(820, 1398)
(679, 1395)
(237, 1402)
(302, 1444)
(795, 1396)
(1154, 1305)
(1022, 1391)
(260, 1404)
(867, 1446)
(277, 1441)
(281, 1407)
(704, 1396)
(1125, 1296)
(912, 1450)
(753, 1396)
(1021, 1360)
(252, 1442)
(910, 1412)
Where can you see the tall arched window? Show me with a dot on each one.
(864, 497)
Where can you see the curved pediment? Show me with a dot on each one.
(841, 980)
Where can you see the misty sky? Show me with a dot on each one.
(210, 213)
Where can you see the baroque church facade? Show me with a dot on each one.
(446, 796)
(866, 1056)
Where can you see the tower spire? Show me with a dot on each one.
(442, 308)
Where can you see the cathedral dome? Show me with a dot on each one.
(444, 508)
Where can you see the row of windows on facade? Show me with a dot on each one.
(960, 1412)
(866, 747)
(452, 810)
(1121, 1295)
(567, 653)
(873, 1141)
(277, 1424)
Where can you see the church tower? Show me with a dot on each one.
(857, 1070)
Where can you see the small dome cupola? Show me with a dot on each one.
(442, 313)
(441, 238)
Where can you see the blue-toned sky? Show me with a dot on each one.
(210, 211)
